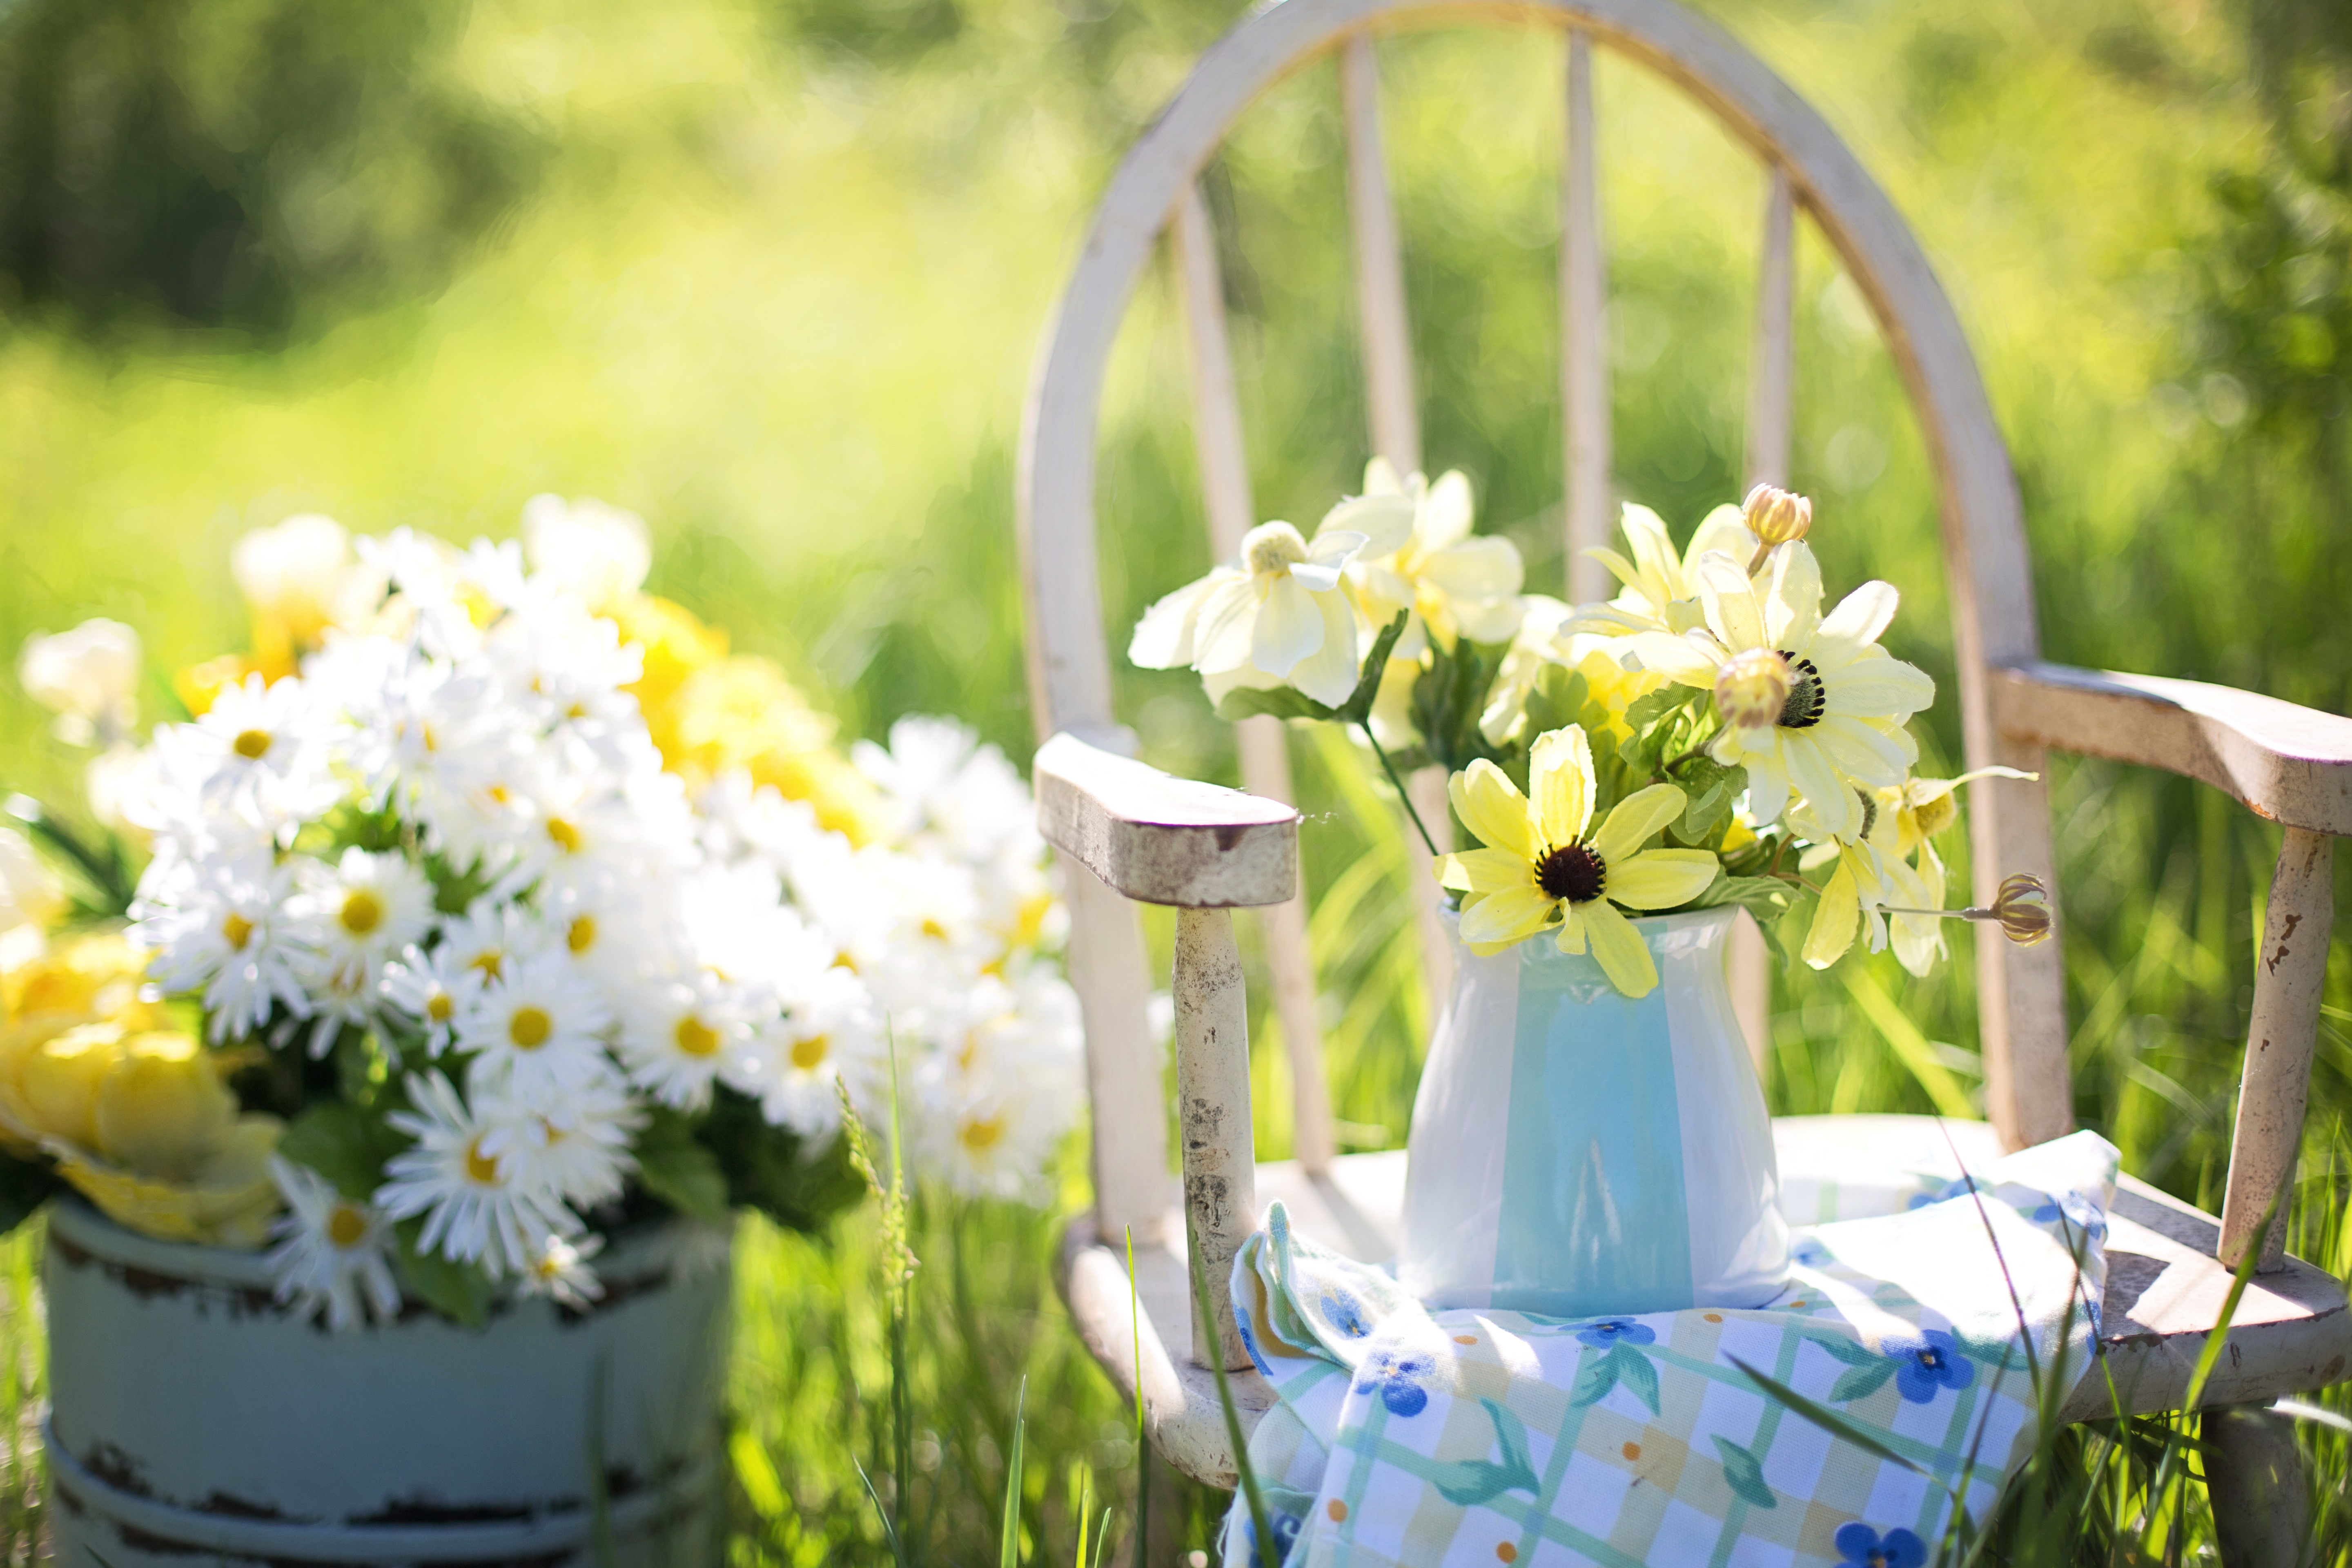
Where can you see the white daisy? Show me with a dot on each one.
(220, 929)
(829, 1032)
(357, 913)
(675, 1031)
(256, 757)
(330, 1255)
(536, 1029)
(433, 988)
(952, 792)
(477, 1207)
(572, 1142)
(559, 1270)
(492, 935)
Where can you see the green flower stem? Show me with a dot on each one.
(1404, 794)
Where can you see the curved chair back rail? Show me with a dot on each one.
(2287, 764)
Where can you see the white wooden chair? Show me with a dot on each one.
(1128, 832)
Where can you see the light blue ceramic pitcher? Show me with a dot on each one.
(1576, 1152)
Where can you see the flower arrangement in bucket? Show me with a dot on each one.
(493, 914)
(1589, 1134)
(527, 909)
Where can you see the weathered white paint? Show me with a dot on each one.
(1162, 840)
(193, 1419)
(1212, 1114)
(1584, 346)
(2291, 765)
(2261, 1507)
(2290, 975)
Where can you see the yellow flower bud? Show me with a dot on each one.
(2023, 909)
(1752, 689)
(163, 1111)
(1775, 516)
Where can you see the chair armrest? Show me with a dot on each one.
(1160, 839)
(2291, 765)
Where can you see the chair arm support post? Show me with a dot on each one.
(2290, 970)
(1212, 1098)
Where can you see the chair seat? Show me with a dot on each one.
(2165, 1290)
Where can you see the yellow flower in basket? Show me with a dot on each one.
(144, 1126)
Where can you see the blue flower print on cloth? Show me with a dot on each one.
(1344, 1312)
(1463, 1437)
(1397, 1376)
(1611, 1331)
(1864, 1547)
(1927, 1365)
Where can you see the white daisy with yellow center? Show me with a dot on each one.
(477, 1207)
(1538, 871)
(434, 989)
(535, 1030)
(357, 913)
(221, 928)
(332, 1255)
(676, 1032)
(829, 1032)
(573, 1142)
(558, 1271)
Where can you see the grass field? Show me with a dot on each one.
(772, 272)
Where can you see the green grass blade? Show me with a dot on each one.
(1835, 1425)
(1143, 1438)
(1008, 1549)
(1256, 1500)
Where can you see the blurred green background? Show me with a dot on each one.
(773, 272)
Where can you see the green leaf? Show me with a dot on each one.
(1861, 1382)
(458, 1290)
(1830, 1422)
(1277, 701)
(1744, 1475)
(798, 1185)
(1709, 788)
(1597, 1378)
(1638, 1374)
(1850, 1352)
(1560, 699)
(1358, 707)
(1643, 712)
(1764, 897)
(679, 1170)
(343, 1142)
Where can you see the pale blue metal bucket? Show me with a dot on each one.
(194, 1422)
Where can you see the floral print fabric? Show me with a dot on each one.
(1476, 1437)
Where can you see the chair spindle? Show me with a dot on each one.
(2290, 971)
(1770, 397)
(1261, 743)
(1212, 1097)
(1393, 414)
(1584, 353)
(1380, 265)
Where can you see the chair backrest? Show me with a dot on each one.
(1808, 169)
